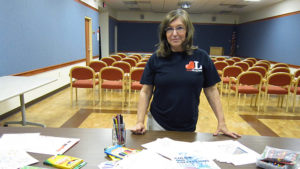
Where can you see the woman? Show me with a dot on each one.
(175, 74)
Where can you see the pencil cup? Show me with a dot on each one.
(119, 134)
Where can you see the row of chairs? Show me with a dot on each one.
(268, 86)
(134, 60)
(105, 77)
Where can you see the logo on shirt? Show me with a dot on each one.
(193, 66)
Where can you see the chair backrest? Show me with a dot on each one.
(125, 66)
(252, 59)
(279, 79)
(297, 73)
(232, 71)
(136, 58)
(220, 65)
(230, 61)
(249, 78)
(220, 58)
(264, 61)
(236, 59)
(144, 60)
(250, 62)
(259, 69)
(116, 57)
(131, 61)
(263, 64)
(123, 55)
(141, 64)
(97, 65)
(108, 60)
(139, 56)
(82, 73)
(280, 65)
(280, 69)
(243, 65)
(136, 74)
(297, 83)
(112, 73)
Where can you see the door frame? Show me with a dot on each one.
(88, 40)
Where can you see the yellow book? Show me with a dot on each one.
(65, 162)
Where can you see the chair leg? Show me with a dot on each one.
(287, 103)
(71, 94)
(294, 102)
(76, 93)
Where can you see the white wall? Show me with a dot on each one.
(284, 7)
(63, 79)
(104, 31)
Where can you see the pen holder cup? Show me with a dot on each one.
(119, 134)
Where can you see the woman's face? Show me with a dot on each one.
(176, 33)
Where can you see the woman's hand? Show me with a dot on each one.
(139, 128)
(222, 129)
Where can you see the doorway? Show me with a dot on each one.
(88, 40)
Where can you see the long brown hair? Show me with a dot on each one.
(164, 48)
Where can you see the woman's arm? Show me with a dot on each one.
(144, 99)
(214, 101)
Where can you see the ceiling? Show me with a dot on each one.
(235, 7)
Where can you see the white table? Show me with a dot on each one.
(11, 86)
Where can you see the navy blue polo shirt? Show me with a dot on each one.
(178, 80)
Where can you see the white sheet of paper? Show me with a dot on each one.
(146, 160)
(36, 143)
(15, 158)
(228, 151)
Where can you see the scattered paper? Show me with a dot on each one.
(15, 158)
(36, 143)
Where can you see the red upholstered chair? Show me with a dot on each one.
(139, 56)
(112, 78)
(229, 71)
(125, 66)
(296, 91)
(220, 65)
(260, 69)
(144, 60)
(236, 59)
(134, 80)
(280, 65)
(108, 60)
(243, 65)
(252, 59)
(297, 73)
(246, 83)
(279, 69)
(116, 57)
(141, 64)
(123, 55)
(263, 64)
(97, 66)
(278, 83)
(83, 77)
(136, 58)
(220, 58)
(131, 61)
(250, 62)
(230, 61)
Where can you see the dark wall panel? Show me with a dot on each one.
(137, 36)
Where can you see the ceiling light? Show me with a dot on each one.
(185, 5)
